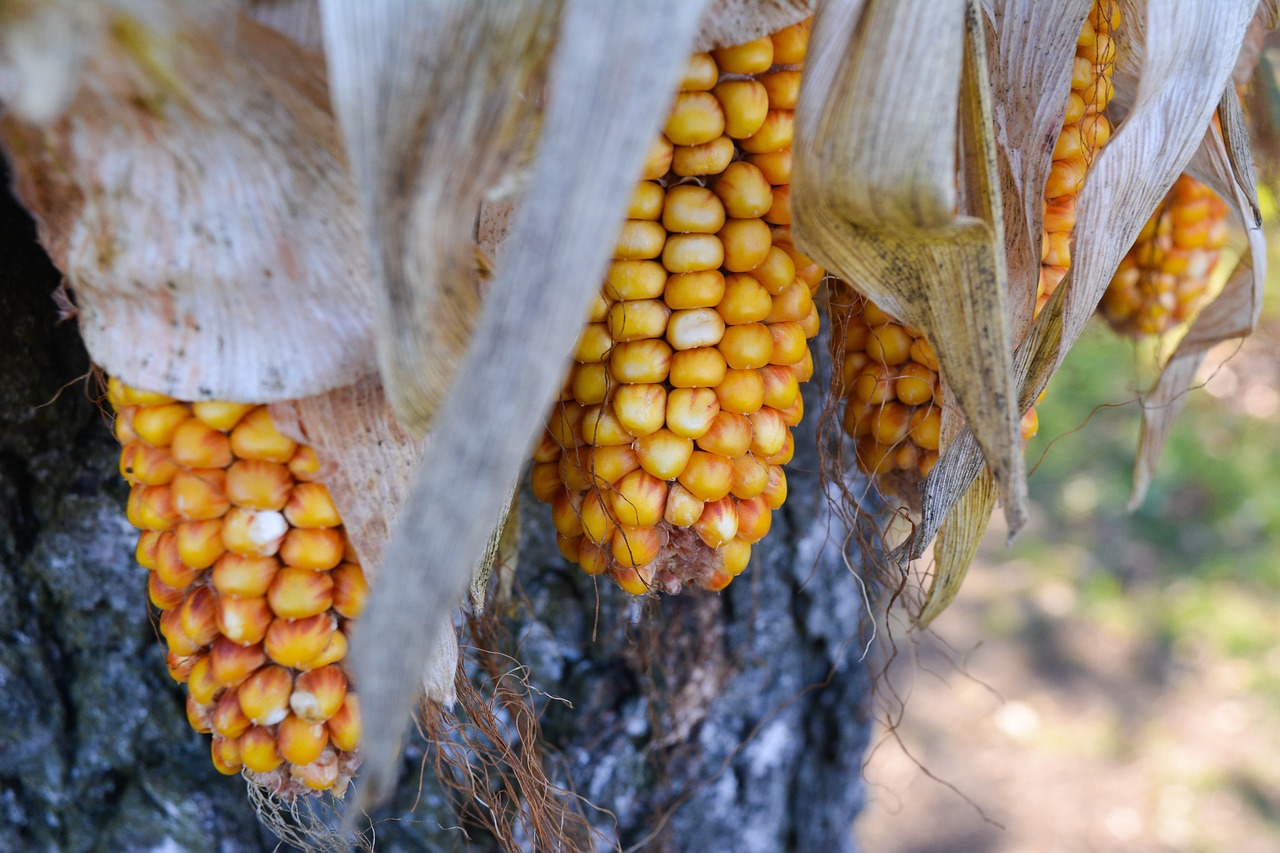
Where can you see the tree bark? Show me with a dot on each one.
(733, 721)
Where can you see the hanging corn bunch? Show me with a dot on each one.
(1165, 277)
(255, 584)
(663, 460)
(258, 216)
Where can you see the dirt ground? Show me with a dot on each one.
(1034, 719)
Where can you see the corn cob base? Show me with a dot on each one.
(255, 583)
(663, 460)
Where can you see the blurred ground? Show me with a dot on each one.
(1113, 681)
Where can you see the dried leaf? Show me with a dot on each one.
(1225, 163)
(1033, 46)
(1269, 12)
(501, 556)
(957, 545)
(1232, 314)
(610, 86)
(441, 669)
(194, 194)
(368, 459)
(874, 195)
(729, 22)
(1173, 63)
(297, 19)
(436, 100)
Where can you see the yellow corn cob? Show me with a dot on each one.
(889, 371)
(1164, 278)
(256, 585)
(1085, 130)
(663, 459)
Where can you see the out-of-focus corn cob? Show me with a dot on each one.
(255, 582)
(1164, 278)
(888, 370)
(663, 460)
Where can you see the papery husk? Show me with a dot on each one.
(1269, 12)
(1032, 45)
(957, 545)
(1170, 73)
(1225, 163)
(368, 461)
(297, 19)
(195, 195)
(875, 198)
(437, 100)
(731, 22)
(609, 88)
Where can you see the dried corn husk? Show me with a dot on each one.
(588, 156)
(728, 22)
(1224, 162)
(875, 195)
(194, 193)
(437, 101)
(1173, 64)
(297, 19)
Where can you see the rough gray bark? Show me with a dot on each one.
(702, 722)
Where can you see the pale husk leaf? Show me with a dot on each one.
(436, 100)
(957, 545)
(1226, 165)
(1269, 12)
(503, 554)
(1189, 52)
(297, 19)
(1032, 46)
(368, 459)
(1170, 72)
(610, 86)
(195, 195)
(874, 196)
(730, 22)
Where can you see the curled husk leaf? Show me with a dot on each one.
(882, 209)
(1225, 163)
(588, 157)
(1171, 70)
(194, 171)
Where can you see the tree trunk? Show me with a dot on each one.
(733, 721)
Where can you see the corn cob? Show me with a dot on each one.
(663, 459)
(255, 582)
(1164, 278)
(888, 370)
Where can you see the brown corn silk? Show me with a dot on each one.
(896, 408)
(663, 459)
(255, 583)
(1165, 277)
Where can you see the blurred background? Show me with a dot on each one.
(1112, 682)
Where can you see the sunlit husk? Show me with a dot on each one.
(1166, 118)
(432, 122)
(1224, 162)
(882, 209)
(176, 188)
